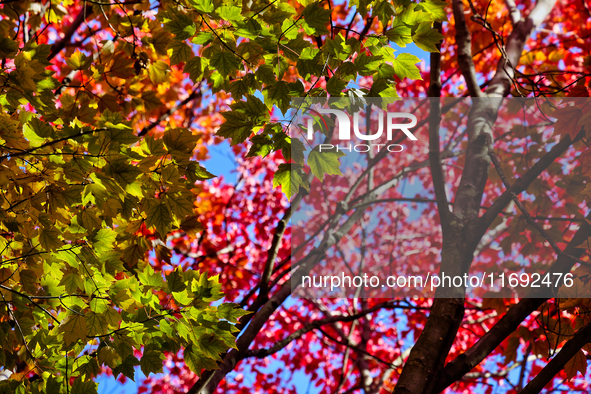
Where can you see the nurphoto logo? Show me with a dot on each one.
(393, 121)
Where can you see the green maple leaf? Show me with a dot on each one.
(72, 282)
(180, 141)
(197, 361)
(400, 33)
(202, 5)
(231, 312)
(96, 324)
(158, 216)
(427, 38)
(293, 49)
(335, 86)
(174, 281)
(182, 26)
(247, 28)
(212, 346)
(88, 367)
(262, 145)
(108, 356)
(253, 107)
(266, 74)
(82, 386)
(181, 52)
(404, 66)
(151, 361)
(238, 126)
(104, 240)
(297, 151)
(385, 71)
(367, 65)
(78, 61)
(225, 62)
(124, 348)
(435, 8)
(194, 69)
(243, 86)
(8, 48)
(317, 17)
(279, 94)
(74, 329)
(122, 172)
(160, 40)
(324, 163)
(179, 204)
(42, 129)
(150, 278)
(384, 10)
(200, 172)
(289, 177)
(383, 88)
(230, 13)
(202, 38)
(127, 367)
(182, 297)
(158, 72)
(151, 100)
(132, 254)
(276, 16)
(411, 16)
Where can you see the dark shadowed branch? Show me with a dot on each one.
(434, 148)
(568, 351)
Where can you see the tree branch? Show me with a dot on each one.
(464, 49)
(514, 13)
(45, 145)
(356, 348)
(434, 148)
(274, 250)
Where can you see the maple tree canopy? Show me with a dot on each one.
(121, 251)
